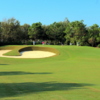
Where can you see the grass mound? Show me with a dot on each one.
(17, 49)
(14, 52)
(36, 48)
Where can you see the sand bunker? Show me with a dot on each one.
(29, 54)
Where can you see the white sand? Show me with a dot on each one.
(29, 54)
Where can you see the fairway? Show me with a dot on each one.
(73, 74)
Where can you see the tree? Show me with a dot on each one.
(94, 34)
(56, 33)
(0, 33)
(24, 32)
(75, 32)
(44, 35)
(10, 30)
(35, 31)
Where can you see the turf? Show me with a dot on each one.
(72, 75)
(15, 50)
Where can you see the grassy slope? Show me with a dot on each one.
(73, 75)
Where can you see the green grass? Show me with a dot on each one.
(72, 75)
(17, 49)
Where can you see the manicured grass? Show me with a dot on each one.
(72, 75)
(17, 49)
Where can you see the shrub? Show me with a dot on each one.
(98, 46)
(29, 42)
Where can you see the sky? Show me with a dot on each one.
(50, 11)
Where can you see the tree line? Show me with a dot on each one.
(57, 33)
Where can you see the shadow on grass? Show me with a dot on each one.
(21, 73)
(3, 64)
(14, 89)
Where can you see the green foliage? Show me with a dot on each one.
(65, 32)
(55, 31)
(75, 32)
(28, 42)
(98, 45)
(10, 30)
(24, 32)
(93, 34)
(35, 30)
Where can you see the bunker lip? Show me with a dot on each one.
(29, 54)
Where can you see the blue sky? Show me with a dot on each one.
(49, 11)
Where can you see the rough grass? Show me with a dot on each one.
(72, 75)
